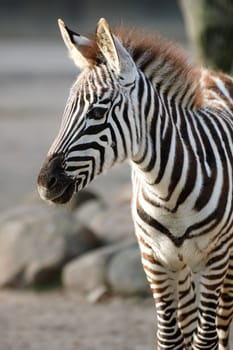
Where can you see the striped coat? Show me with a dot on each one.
(139, 98)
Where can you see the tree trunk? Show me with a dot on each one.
(210, 28)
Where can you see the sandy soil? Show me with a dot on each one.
(54, 321)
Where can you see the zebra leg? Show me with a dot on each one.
(163, 284)
(225, 309)
(211, 282)
(187, 307)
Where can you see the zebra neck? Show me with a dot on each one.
(173, 84)
(162, 154)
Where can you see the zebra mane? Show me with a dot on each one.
(162, 61)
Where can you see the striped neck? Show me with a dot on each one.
(161, 155)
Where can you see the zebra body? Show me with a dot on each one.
(140, 99)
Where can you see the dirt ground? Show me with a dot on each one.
(59, 321)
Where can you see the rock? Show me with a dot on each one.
(88, 273)
(125, 273)
(97, 295)
(116, 269)
(81, 198)
(114, 224)
(88, 212)
(36, 242)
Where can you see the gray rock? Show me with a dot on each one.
(88, 212)
(81, 198)
(97, 295)
(125, 273)
(89, 272)
(116, 269)
(36, 242)
(114, 224)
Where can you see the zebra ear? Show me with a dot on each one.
(112, 49)
(76, 45)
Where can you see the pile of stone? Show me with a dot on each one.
(89, 247)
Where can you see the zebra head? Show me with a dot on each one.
(96, 129)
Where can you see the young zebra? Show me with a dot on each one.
(139, 98)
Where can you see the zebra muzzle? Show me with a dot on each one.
(53, 184)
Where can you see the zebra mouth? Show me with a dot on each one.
(59, 195)
(65, 196)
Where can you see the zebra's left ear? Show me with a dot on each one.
(112, 49)
(77, 45)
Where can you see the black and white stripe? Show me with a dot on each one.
(175, 126)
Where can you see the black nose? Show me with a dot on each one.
(53, 183)
(50, 172)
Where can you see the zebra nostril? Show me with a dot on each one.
(52, 181)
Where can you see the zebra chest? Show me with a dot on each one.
(165, 233)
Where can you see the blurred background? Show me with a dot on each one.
(32, 18)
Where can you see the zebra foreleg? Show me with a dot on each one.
(211, 282)
(163, 284)
(187, 307)
(225, 309)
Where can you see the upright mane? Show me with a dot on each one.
(162, 60)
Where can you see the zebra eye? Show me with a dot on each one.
(96, 113)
